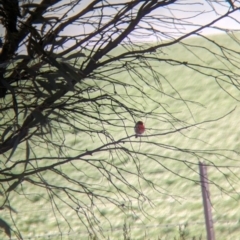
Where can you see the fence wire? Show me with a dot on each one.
(63, 235)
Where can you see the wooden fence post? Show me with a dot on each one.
(206, 201)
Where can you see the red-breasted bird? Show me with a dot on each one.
(139, 128)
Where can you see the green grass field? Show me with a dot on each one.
(178, 201)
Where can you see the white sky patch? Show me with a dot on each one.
(169, 22)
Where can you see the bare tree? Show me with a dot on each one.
(75, 77)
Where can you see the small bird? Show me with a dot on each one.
(139, 128)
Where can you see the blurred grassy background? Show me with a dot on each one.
(179, 198)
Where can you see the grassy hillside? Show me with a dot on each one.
(178, 200)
